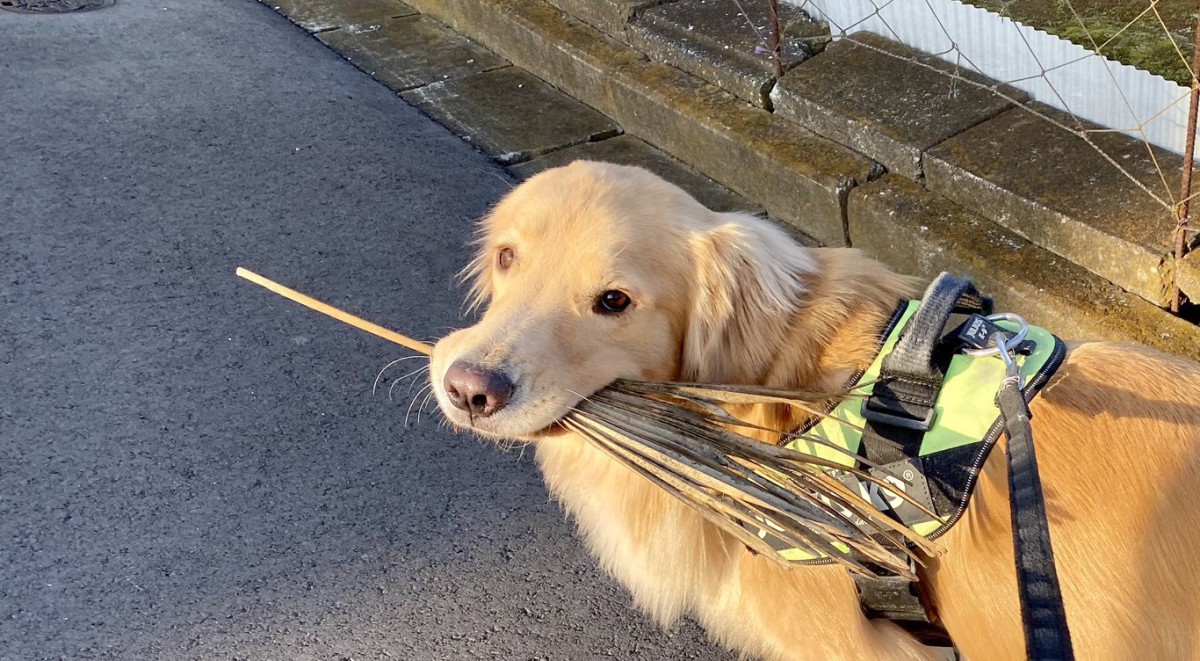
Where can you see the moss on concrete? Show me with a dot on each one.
(1126, 31)
(1187, 276)
(1059, 192)
(797, 176)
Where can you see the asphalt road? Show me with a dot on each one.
(193, 468)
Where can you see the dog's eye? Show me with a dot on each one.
(504, 258)
(612, 301)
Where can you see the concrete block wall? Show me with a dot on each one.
(862, 142)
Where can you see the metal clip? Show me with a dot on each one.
(1006, 348)
(1009, 346)
(1012, 371)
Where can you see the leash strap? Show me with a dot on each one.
(1046, 634)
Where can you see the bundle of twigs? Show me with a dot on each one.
(682, 438)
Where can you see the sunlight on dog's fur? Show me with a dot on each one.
(594, 272)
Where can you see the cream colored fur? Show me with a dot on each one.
(730, 298)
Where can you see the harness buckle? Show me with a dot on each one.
(904, 602)
(884, 418)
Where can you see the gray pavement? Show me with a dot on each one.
(193, 468)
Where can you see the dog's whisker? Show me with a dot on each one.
(421, 408)
(442, 421)
(510, 444)
(413, 373)
(582, 398)
(508, 183)
(395, 382)
(414, 401)
(385, 368)
(428, 400)
(391, 388)
(408, 390)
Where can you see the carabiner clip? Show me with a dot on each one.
(1012, 371)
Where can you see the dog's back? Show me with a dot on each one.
(1117, 434)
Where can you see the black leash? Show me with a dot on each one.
(1045, 619)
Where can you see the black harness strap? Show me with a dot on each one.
(913, 355)
(1045, 619)
(900, 409)
(898, 413)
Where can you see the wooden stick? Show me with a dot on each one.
(357, 322)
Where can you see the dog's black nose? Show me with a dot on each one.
(476, 390)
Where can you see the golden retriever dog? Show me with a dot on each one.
(594, 272)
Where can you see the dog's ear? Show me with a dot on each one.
(749, 282)
(477, 276)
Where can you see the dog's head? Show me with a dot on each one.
(594, 272)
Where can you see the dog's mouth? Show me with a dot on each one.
(521, 418)
(499, 431)
(553, 430)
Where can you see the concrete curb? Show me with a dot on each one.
(484, 106)
(796, 175)
(840, 96)
(916, 231)
(1047, 191)
(694, 35)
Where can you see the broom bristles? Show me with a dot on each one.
(763, 487)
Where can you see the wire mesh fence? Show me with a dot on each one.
(1094, 69)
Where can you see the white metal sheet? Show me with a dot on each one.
(1052, 70)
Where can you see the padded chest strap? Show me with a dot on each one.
(898, 413)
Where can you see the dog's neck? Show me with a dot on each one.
(833, 333)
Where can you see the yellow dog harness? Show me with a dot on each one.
(935, 460)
